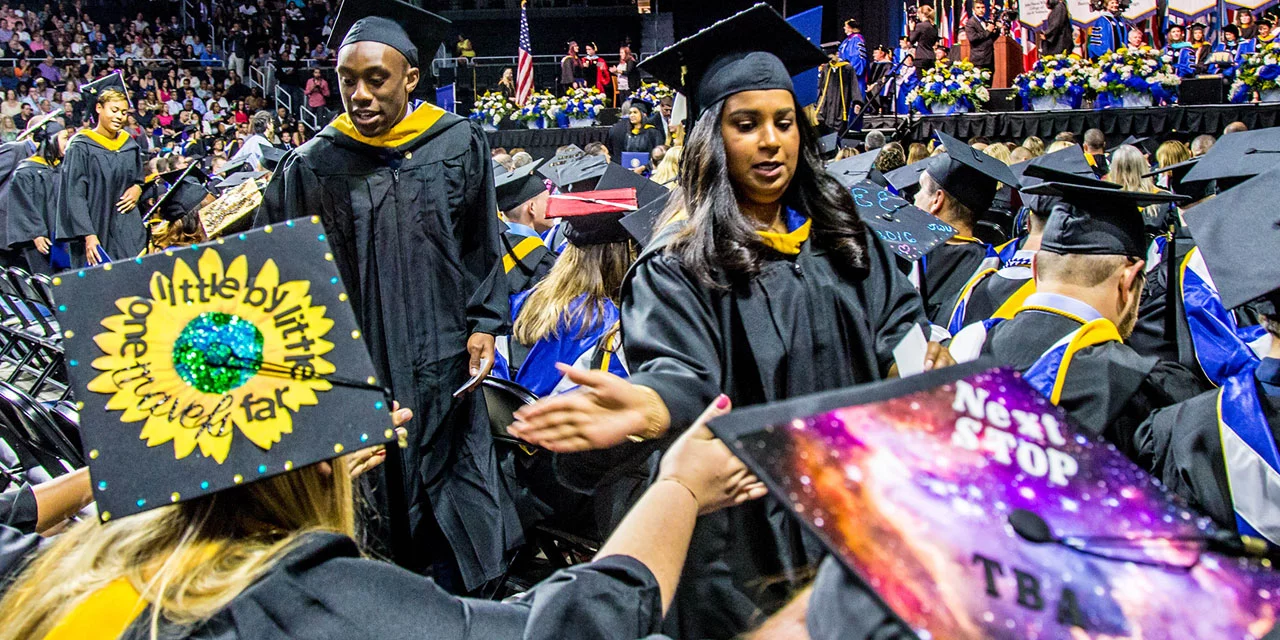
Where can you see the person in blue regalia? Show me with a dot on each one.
(1175, 38)
(908, 80)
(854, 51)
(1110, 32)
(1232, 44)
(1194, 59)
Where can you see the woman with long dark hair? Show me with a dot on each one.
(33, 197)
(763, 284)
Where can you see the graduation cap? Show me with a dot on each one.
(829, 145)
(110, 81)
(405, 27)
(46, 121)
(235, 167)
(909, 231)
(903, 179)
(912, 487)
(1064, 165)
(216, 366)
(642, 224)
(571, 175)
(239, 178)
(1237, 156)
(519, 186)
(186, 191)
(855, 169)
(563, 156)
(593, 217)
(1092, 219)
(617, 177)
(1145, 144)
(1178, 182)
(752, 50)
(271, 157)
(970, 176)
(1236, 231)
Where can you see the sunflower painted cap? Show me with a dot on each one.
(209, 367)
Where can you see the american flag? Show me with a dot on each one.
(1027, 38)
(524, 66)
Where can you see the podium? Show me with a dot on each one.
(1008, 62)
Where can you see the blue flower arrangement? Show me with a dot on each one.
(583, 104)
(542, 107)
(492, 108)
(957, 86)
(1257, 74)
(1124, 74)
(1062, 78)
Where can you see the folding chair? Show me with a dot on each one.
(33, 426)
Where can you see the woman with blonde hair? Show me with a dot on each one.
(668, 171)
(8, 130)
(1127, 169)
(917, 152)
(1171, 152)
(275, 558)
(1035, 145)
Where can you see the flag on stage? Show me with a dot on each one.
(524, 65)
(945, 28)
(964, 19)
(1026, 38)
(905, 15)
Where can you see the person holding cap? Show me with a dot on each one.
(406, 196)
(762, 282)
(1068, 337)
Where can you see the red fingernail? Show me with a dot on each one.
(722, 401)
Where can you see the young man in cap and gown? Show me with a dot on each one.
(406, 196)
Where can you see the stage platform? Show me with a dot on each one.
(1116, 123)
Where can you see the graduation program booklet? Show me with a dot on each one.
(912, 485)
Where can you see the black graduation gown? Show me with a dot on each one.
(93, 179)
(947, 269)
(414, 231)
(1109, 388)
(804, 324)
(642, 141)
(839, 93)
(1162, 328)
(1182, 447)
(992, 292)
(33, 211)
(11, 154)
(323, 589)
(16, 547)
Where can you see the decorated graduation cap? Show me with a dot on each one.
(617, 177)
(233, 211)
(593, 217)
(41, 127)
(962, 504)
(1238, 156)
(239, 178)
(575, 174)
(519, 186)
(113, 80)
(201, 369)
(1237, 233)
(855, 169)
(969, 175)
(1064, 165)
(1093, 219)
(271, 157)
(405, 27)
(751, 50)
(186, 191)
(908, 231)
(235, 167)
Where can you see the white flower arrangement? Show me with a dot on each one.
(1259, 72)
(1134, 71)
(954, 84)
(1060, 76)
(653, 92)
(540, 105)
(583, 103)
(492, 108)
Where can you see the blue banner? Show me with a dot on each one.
(810, 24)
(445, 98)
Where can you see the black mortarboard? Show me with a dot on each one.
(909, 231)
(1238, 231)
(1197, 25)
(186, 191)
(1064, 165)
(904, 179)
(46, 121)
(237, 179)
(109, 81)
(1238, 156)
(970, 176)
(1145, 144)
(593, 217)
(1091, 219)
(855, 169)
(751, 50)
(519, 186)
(829, 145)
(202, 369)
(643, 222)
(641, 106)
(235, 167)
(617, 177)
(271, 157)
(581, 170)
(564, 156)
(400, 25)
(1178, 182)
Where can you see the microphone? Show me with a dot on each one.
(1031, 527)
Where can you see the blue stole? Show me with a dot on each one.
(569, 345)
(1049, 373)
(1251, 458)
(1221, 347)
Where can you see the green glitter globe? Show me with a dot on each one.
(217, 352)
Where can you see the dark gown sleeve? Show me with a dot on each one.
(287, 195)
(18, 509)
(614, 597)
(900, 305)
(16, 548)
(75, 212)
(27, 206)
(477, 231)
(1180, 446)
(671, 338)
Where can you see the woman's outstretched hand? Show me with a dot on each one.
(701, 463)
(604, 411)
